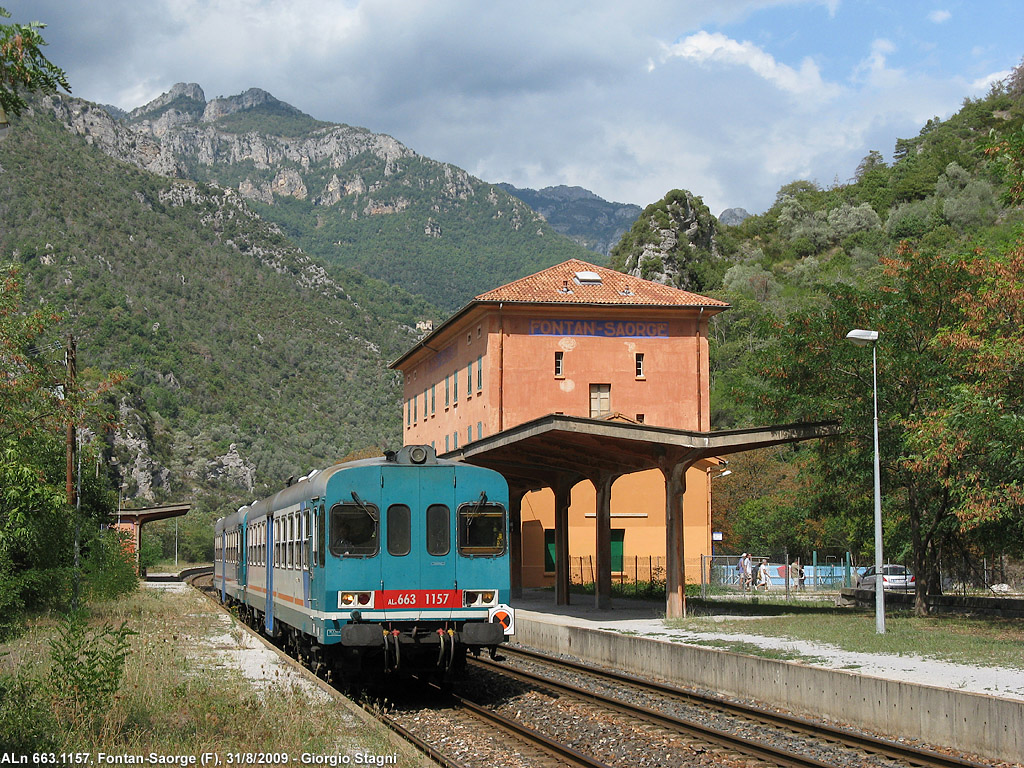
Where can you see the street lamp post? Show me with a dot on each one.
(862, 338)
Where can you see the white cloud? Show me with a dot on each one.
(939, 16)
(874, 69)
(982, 84)
(704, 47)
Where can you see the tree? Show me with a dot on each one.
(950, 407)
(37, 402)
(23, 66)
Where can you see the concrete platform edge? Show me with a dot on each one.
(988, 726)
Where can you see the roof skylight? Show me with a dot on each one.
(588, 278)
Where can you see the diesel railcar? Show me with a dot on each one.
(392, 563)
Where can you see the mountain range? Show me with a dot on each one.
(579, 214)
(343, 194)
(253, 270)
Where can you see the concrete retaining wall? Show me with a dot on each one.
(985, 725)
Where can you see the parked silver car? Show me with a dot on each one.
(893, 577)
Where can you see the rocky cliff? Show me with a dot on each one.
(344, 194)
(673, 242)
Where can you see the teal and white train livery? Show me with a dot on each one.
(398, 562)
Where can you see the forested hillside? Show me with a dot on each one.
(344, 194)
(246, 360)
(588, 220)
(929, 251)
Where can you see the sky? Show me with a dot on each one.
(729, 99)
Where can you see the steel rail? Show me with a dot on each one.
(520, 731)
(748, 747)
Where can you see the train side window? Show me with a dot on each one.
(294, 535)
(307, 539)
(277, 542)
(481, 529)
(313, 550)
(354, 530)
(399, 530)
(439, 538)
(289, 545)
(321, 536)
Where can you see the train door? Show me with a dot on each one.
(268, 613)
(419, 558)
(220, 570)
(243, 557)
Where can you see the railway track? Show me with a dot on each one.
(673, 707)
(526, 713)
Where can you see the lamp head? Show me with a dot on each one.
(862, 338)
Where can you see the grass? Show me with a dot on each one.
(981, 641)
(177, 698)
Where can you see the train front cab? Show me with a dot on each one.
(417, 559)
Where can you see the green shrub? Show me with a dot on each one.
(27, 723)
(109, 568)
(87, 668)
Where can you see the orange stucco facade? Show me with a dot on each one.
(497, 364)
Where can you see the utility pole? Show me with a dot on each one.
(70, 362)
(72, 492)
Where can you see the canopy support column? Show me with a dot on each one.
(515, 543)
(563, 494)
(603, 548)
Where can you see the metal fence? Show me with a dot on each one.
(721, 573)
(823, 572)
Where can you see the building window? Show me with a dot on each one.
(479, 430)
(480, 373)
(455, 389)
(559, 364)
(549, 551)
(415, 416)
(447, 392)
(640, 365)
(408, 412)
(455, 441)
(469, 379)
(447, 440)
(639, 418)
(600, 400)
(618, 549)
(433, 399)
(469, 434)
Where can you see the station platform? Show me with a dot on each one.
(972, 708)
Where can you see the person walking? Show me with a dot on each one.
(763, 579)
(745, 573)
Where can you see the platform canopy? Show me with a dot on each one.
(558, 451)
(131, 520)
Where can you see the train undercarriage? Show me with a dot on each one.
(374, 653)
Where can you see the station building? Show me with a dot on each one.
(581, 341)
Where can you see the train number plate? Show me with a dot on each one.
(418, 598)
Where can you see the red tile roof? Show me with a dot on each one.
(562, 284)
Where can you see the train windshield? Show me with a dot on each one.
(354, 530)
(481, 529)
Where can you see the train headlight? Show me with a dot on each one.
(418, 454)
(479, 598)
(353, 599)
